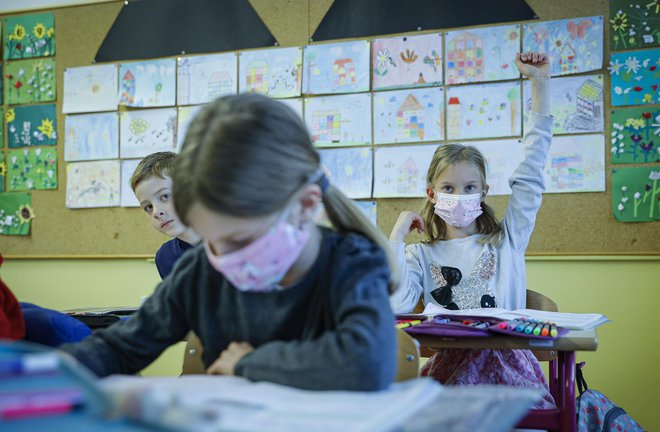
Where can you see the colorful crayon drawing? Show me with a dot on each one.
(636, 194)
(16, 213)
(413, 115)
(401, 171)
(573, 45)
(576, 104)
(29, 81)
(634, 24)
(128, 198)
(276, 72)
(28, 36)
(90, 89)
(150, 83)
(31, 125)
(185, 116)
(635, 135)
(93, 184)
(407, 61)
(336, 68)
(143, 132)
(635, 76)
(32, 168)
(349, 169)
(483, 111)
(576, 164)
(200, 79)
(502, 158)
(336, 121)
(91, 136)
(483, 54)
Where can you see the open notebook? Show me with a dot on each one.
(571, 321)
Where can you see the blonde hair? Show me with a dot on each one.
(246, 155)
(160, 164)
(435, 227)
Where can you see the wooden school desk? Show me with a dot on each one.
(561, 371)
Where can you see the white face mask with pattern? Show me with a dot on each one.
(458, 210)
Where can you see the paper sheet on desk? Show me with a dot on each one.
(216, 403)
(571, 321)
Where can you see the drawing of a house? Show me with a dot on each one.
(128, 88)
(219, 84)
(567, 58)
(257, 77)
(567, 171)
(326, 126)
(465, 58)
(407, 177)
(453, 117)
(344, 72)
(410, 120)
(590, 99)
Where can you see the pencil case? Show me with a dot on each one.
(454, 326)
(529, 328)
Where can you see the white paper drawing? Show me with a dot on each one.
(336, 68)
(400, 171)
(92, 184)
(350, 170)
(91, 136)
(90, 89)
(407, 61)
(502, 158)
(342, 120)
(200, 79)
(413, 115)
(150, 83)
(143, 132)
(128, 198)
(576, 104)
(484, 111)
(276, 72)
(576, 164)
(185, 116)
(296, 104)
(369, 208)
(482, 54)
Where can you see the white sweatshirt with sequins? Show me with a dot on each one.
(488, 273)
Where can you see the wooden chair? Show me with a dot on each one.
(192, 357)
(407, 356)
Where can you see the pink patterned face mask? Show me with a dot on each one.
(458, 210)
(262, 264)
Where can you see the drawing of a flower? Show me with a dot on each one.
(615, 67)
(654, 175)
(383, 57)
(632, 64)
(46, 127)
(647, 98)
(3, 169)
(655, 3)
(10, 115)
(619, 22)
(656, 125)
(19, 32)
(39, 31)
(618, 90)
(25, 213)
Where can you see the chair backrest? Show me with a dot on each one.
(192, 357)
(407, 356)
(538, 301)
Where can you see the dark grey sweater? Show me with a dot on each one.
(332, 330)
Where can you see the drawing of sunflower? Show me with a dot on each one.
(655, 3)
(19, 32)
(620, 22)
(39, 31)
(25, 213)
(10, 116)
(3, 169)
(46, 127)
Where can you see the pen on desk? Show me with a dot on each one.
(553, 330)
(530, 328)
(521, 326)
(441, 320)
(537, 329)
(546, 330)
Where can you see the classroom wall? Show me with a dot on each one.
(624, 367)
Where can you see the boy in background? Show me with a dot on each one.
(152, 184)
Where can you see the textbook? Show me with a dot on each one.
(571, 321)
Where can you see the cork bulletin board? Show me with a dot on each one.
(567, 224)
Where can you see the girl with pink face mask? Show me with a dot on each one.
(471, 260)
(271, 295)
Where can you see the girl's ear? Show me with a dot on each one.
(484, 192)
(430, 194)
(310, 197)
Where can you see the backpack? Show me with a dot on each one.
(596, 413)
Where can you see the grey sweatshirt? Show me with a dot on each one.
(332, 330)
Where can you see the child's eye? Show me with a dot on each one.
(469, 188)
(165, 197)
(148, 208)
(447, 189)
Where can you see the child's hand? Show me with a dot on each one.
(226, 363)
(407, 222)
(533, 65)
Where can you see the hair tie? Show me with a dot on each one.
(320, 179)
